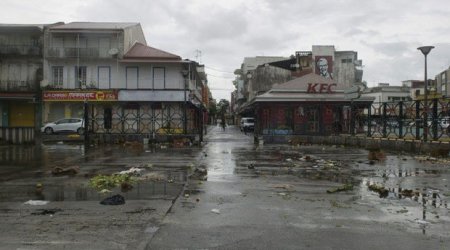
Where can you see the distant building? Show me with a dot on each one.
(342, 66)
(443, 82)
(386, 93)
(302, 94)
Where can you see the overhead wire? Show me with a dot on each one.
(228, 72)
(225, 77)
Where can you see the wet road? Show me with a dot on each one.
(255, 197)
(73, 217)
(275, 197)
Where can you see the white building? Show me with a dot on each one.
(130, 88)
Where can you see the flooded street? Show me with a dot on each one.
(253, 197)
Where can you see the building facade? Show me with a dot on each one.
(323, 60)
(443, 82)
(130, 90)
(104, 72)
(308, 105)
(21, 70)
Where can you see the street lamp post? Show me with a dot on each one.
(425, 50)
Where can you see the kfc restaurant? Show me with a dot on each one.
(308, 105)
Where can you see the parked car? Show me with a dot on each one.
(64, 125)
(247, 124)
(443, 122)
(392, 123)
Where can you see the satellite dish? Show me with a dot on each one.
(113, 51)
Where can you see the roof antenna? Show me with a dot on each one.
(198, 56)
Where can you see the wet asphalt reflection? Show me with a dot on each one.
(417, 187)
(22, 168)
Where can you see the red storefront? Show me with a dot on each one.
(309, 105)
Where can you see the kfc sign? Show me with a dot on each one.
(321, 88)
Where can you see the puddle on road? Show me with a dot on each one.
(22, 167)
(81, 192)
(417, 191)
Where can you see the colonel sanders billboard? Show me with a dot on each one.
(324, 66)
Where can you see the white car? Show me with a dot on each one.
(64, 125)
(247, 124)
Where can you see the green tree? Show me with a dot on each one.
(223, 106)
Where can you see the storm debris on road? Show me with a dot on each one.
(199, 173)
(46, 211)
(345, 187)
(381, 190)
(283, 186)
(113, 200)
(101, 182)
(376, 155)
(58, 171)
(36, 202)
(153, 176)
(132, 171)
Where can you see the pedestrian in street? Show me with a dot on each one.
(223, 124)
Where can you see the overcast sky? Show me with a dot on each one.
(385, 34)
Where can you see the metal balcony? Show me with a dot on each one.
(18, 86)
(20, 50)
(78, 53)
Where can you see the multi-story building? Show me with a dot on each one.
(344, 67)
(313, 92)
(128, 89)
(85, 57)
(20, 74)
(244, 77)
(104, 72)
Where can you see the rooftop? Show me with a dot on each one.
(94, 26)
(143, 52)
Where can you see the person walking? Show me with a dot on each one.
(223, 124)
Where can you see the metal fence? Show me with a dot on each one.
(17, 135)
(405, 120)
(145, 119)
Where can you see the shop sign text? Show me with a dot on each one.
(321, 88)
(79, 96)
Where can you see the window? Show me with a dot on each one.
(104, 77)
(417, 92)
(132, 76)
(57, 73)
(346, 60)
(80, 76)
(159, 78)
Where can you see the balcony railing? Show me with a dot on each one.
(20, 50)
(18, 86)
(78, 52)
